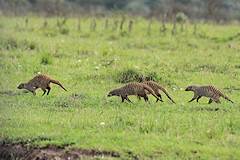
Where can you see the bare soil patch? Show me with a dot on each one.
(18, 151)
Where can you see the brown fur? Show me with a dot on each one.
(156, 87)
(207, 91)
(39, 81)
(134, 88)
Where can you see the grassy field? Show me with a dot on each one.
(92, 62)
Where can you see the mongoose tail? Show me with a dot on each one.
(165, 91)
(224, 96)
(150, 90)
(58, 83)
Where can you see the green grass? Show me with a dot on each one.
(79, 60)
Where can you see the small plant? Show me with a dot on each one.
(32, 45)
(46, 59)
(93, 25)
(45, 23)
(11, 43)
(174, 30)
(113, 37)
(129, 75)
(181, 17)
(123, 33)
(130, 26)
(149, 27)
(51, 34)
(79, 25)
(106, 24)
(64, 30)
(115, 25)
(122, 22)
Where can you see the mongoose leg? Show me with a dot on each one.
(146, 98)
(198, 98)
(44, 91)
(139, 97)
(34, 93)
(123, 99)
(159, 95)
(32, 89)
(210, 101)
(217, 101)
(128, 99)
(192, 99)
(48, 88)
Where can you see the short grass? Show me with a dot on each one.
(90, 63)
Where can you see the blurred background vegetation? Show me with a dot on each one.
(209, 10)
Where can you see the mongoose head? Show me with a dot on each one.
(112, 93)
(21, 86)
(191, 88)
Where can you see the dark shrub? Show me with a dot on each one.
(46, 59)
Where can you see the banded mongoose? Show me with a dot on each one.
(133, 88)
(40, 81)
(207, 91)
(156, 87)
